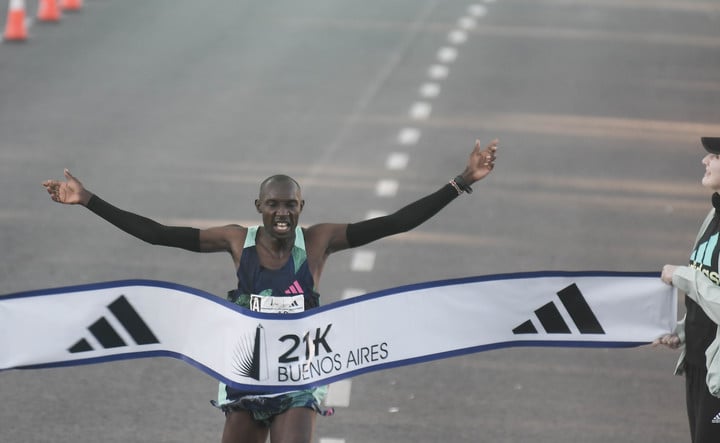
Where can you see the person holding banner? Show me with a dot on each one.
(698, 332)
(279, 265)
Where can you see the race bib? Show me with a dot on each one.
(277, 305)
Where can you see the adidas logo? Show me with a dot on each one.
(552, 320)
(716, 419)
(294, 288)
(704, 252)
(108, 337)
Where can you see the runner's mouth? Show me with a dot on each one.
(281, 226)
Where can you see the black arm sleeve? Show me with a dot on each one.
(402, 220)
(145, 229)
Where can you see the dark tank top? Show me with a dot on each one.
(292, 279)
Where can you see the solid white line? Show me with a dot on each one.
(397, 161)
(408, 136)
(332, 440)
(386, 188)
(363, 261)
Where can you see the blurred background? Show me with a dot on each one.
(177, 109)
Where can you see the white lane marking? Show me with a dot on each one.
(386, 188)
(429, 90)
(339, 394)
(397, 161)
(420, 110)
(467, 23)
(408, 136)
(352, 293)
(374, 214)
(477, 10)
(457, 37)
(438, 72)
(447, 54)
(363, 261)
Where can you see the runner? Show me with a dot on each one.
(279, 265)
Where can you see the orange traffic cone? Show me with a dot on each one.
(48, 11)
(15, 28)
(71, 5)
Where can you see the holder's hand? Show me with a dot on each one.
(672, 341)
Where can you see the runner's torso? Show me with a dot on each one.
(285, 286)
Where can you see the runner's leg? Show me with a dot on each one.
(295, 425)
(240, 427)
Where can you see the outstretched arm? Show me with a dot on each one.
(480, 163)
(72, 192)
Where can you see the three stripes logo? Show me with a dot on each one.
(294, 288)
(552, 320)
(704, 252)
(248, 360)
(108, 337)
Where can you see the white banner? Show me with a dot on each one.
(273, 352)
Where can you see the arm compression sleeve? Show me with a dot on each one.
(145, 229)
(402, 220)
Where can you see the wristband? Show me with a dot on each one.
(460, 185)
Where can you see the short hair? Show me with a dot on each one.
(278, 178)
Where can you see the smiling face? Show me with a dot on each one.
(280, 203)
(711, 179)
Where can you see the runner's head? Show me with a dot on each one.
(280, 203)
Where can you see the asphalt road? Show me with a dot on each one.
(176, 109)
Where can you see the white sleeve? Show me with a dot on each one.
(700, 289)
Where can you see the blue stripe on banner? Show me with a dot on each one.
(354, 373)
(588, 300)
(358, 299)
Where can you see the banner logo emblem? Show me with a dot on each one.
(553, 322)
(108, 337)
(250, 359)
